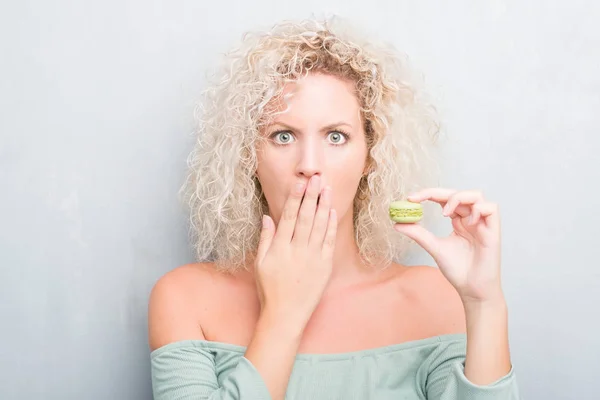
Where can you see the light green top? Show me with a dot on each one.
(431, 369)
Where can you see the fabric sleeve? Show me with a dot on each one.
(446, 379)
(189, 372)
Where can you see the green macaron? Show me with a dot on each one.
(406, 212)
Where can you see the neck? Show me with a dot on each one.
(348, 266)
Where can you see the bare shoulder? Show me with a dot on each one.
(440, 301)
(178, 301)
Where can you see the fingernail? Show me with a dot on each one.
(299, 187)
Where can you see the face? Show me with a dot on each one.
(322, 134)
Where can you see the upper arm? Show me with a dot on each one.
(173, 307)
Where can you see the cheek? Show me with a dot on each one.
(266, 164)
(347, 166)
(345, 181)
(345, 175)
(272, 158)
(273, 181)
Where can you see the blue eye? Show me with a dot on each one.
(285, 137)
(338, 137)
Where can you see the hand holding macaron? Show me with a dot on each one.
(470, 256)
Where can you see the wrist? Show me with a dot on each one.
(287, 325)
(492, 300)
(489, 314)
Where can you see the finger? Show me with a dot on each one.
(329, 241)
(266, 238)
(439, 195)
(422, 236)
(289, 215)
(466, 197)
(462, 210)
(475, 214)
(306, 215)
(319, 228)
(489, 213)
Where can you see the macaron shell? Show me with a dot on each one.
(406, 220)
(415, 211)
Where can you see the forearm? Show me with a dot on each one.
(488, 355)
(273, 349)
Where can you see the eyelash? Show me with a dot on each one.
(344, 134)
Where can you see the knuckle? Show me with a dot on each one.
(288, 214)
(297, 196)
(329, 241)
(321, 215)
(320, 223)
(302, 218)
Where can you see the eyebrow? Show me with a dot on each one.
(324, 129)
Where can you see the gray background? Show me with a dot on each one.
(96, 102)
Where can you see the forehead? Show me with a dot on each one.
(317, 97)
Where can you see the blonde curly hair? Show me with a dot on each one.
(222, 192)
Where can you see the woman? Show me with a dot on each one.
(305, 139)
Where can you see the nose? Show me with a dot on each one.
(310, 159)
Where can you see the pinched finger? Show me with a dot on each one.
(438, 195)
(462, 210)
(486, 211)
(466, 197)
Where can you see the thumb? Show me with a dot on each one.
(422, 236)
(266, 237)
